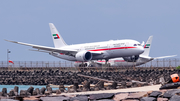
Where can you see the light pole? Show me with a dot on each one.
(8, 57)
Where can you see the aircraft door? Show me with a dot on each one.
(110, 47)
(126, 44)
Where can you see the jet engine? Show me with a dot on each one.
(83, 56)
(133, 58)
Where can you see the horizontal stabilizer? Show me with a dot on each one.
(165, 57)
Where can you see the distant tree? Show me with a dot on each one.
(178, 67)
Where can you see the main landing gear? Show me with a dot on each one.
(106, 63)
(83, 64)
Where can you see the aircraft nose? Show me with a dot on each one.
(141, 49)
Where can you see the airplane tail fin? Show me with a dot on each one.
(147, 46)
(57, 39)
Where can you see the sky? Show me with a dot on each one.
(85, 21)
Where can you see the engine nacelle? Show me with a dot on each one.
(133, 58)
(83, 56)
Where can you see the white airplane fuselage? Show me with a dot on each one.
(108, 49)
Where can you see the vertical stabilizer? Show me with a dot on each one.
(147, 46)
(57, 39)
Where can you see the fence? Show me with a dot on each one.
(173, 62)
(33, 64)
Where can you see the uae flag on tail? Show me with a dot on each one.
(11, 62)
(56, 36)
(147, 46)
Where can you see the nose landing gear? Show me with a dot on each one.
(83, 65)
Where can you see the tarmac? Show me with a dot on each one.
(136, 89)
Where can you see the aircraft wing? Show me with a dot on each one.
(145, 57)
(51, 49)
(165, 57)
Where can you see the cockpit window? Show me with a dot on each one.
(137, 44)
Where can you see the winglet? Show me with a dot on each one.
(142, 43)
(11, 41)
(165, 57)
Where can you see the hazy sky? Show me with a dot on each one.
(84, 21)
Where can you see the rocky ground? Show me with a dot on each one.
(56, 77)
(47, 94)
(121, 79)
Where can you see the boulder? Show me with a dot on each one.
(30, 90)
(54, 91)
(96, 89)
(58, 92)
(1, 94)
(8, 100)
(100, 84)
(24, 93)
(129, 84)
(114, 85)
(137, 95)
(16, 93)
(121, 96)
(148, 99)
(49, 89)
(155, 94)
(170, 86)
(79, 98)
(162, 99)
(4, 91)
(16, 89)
(175, 98)
(106, 100)
(170, 93)
(75, 85)
(47, 86)
(61, 88)
(55, 98)
(101, 96)
(42, 90)
(31, 99)
(47, 93)
(34, 92)
(86, 85)
(167, 95)
(11, 93)
(71, 90)
(37, 91)
(129, 100)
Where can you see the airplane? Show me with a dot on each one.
(88, 51)
(125, 61)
